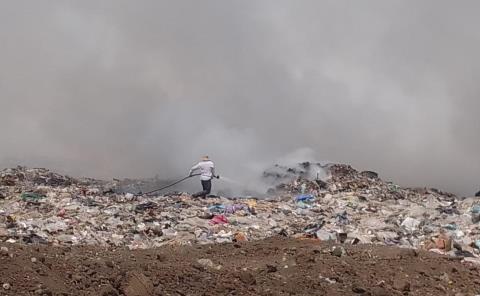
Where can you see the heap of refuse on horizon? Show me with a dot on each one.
(349, 207)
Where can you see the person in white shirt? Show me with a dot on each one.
(207, 172)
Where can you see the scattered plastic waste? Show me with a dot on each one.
(31, 196)
(216, 209)
(476, 209)
(451, 226)
(477, 243)
(324, 235)
(219, 219)
(342, 218)
(340, 204)
(145, 206)
(305, 198)
(410, 224)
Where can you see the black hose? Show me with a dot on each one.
(173, 184)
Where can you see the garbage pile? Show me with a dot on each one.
(347, 206)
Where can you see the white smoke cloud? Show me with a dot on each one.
(131, 89)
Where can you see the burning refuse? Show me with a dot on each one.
(343, 205)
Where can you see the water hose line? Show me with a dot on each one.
(170, 185)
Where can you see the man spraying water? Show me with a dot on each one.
(207, 172)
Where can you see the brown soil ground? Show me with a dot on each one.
(272, 267)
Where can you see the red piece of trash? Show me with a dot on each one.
(219, 219)
(61, 213)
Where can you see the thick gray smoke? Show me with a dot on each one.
(138, 88)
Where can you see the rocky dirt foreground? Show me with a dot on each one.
(275, 266)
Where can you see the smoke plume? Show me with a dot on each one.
(137, 88)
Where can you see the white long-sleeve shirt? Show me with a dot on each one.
(207, 169)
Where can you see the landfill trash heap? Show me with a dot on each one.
(349, 207)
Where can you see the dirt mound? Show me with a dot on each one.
(271, 267)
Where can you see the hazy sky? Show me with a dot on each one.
(137, 88)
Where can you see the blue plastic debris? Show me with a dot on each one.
(476, 209)
(477, 243)
(451, 226)
(304, 198)
(217, 209)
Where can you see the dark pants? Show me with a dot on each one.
(207, 187)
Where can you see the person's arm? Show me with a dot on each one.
(213, 172)
(194, 168)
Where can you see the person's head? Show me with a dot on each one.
(205, 158)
